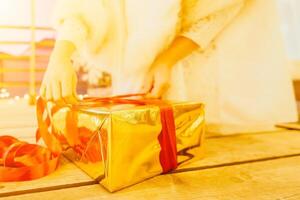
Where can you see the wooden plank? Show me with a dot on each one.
(237, 149)
(231, 150)
(276, 179)
(67, 175)
(291, 125)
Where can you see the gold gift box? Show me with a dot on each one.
(128, 137)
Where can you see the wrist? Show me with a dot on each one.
(63, 50)
(165, 60)
(178, 50)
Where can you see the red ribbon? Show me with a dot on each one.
(167, 140)
(20, 161)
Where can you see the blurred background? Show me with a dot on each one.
(26, 41)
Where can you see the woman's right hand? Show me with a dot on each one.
(60, 80)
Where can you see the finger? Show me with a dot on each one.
(56, 91)
(148, 85)
(66, 87)
(74, 87)
(70, 100)
(43, 91)
(60, 102)
(159, 90)
(67, 93)
(49, 92)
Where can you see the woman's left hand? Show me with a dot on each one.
(158, 79)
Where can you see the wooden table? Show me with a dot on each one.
(244, 166)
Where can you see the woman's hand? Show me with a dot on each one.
(60, 80)
(158, 79)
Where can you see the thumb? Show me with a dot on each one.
(159, 89)
(74, 87)
(148, 85)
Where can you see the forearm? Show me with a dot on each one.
(178, 50)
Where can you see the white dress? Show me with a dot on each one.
(240, 71)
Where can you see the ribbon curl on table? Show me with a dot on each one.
(20, 161)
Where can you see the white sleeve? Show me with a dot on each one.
(202, 23)
(82, 22)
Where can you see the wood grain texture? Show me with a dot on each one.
(67, 175)
(220, 151)
(291, 126)
(268, 180)
(247, 148)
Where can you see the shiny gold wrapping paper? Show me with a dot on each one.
(132, 140)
